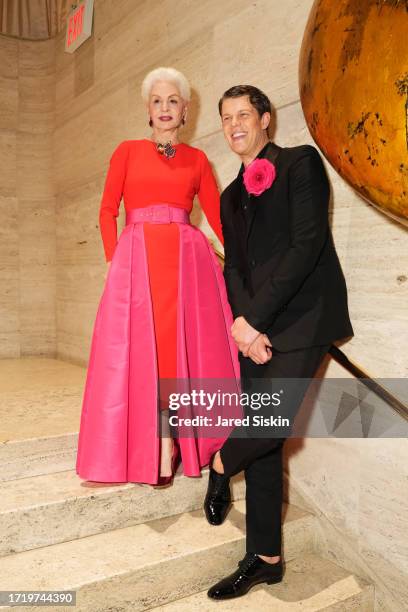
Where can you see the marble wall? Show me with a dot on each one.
(28, 239)
(358, 489)
(64, 114)
(9, 249)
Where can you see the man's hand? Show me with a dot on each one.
(260, 350)
(243, 334)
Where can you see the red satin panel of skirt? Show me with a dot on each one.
(162, 249)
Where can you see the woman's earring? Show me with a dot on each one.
(151, 123)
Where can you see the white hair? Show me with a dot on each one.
(166, 74)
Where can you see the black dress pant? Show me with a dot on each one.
(261, 457)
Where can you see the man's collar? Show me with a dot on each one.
(261, 153)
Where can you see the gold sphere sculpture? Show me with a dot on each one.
(353, 80)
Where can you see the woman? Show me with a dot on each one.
(164, 313)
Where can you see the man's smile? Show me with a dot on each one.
(238, 135)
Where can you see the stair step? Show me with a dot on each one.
(52, 508)
(146, 565)
(36, 456)
(310, 584)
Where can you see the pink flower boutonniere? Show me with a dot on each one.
(259, 176)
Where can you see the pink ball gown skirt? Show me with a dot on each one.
(118, 438)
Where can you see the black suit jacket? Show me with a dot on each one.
(281, 268)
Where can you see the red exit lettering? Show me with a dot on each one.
(75, 25)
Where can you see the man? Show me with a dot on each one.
(289, 301)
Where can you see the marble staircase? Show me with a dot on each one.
(131, 546)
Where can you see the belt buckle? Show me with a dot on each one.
(150, 214)
(163, 213)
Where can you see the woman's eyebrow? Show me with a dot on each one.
(169, 96)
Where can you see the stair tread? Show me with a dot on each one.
(310, 583)
(72, 564)
(51, 488)
(42, 490)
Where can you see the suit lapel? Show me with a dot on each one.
(237, 208)
(271, 153)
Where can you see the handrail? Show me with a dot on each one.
(369, 382)
(357, 372)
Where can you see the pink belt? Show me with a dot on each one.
(157, 213)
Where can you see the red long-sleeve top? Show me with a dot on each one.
(144, 177)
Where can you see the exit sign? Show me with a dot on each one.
(79, 25)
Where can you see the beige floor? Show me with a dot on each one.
(39, 397)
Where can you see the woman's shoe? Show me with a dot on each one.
(165, 481)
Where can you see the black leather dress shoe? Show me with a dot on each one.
(218, 498)
(251, 570)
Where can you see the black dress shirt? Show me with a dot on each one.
(245, 198)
